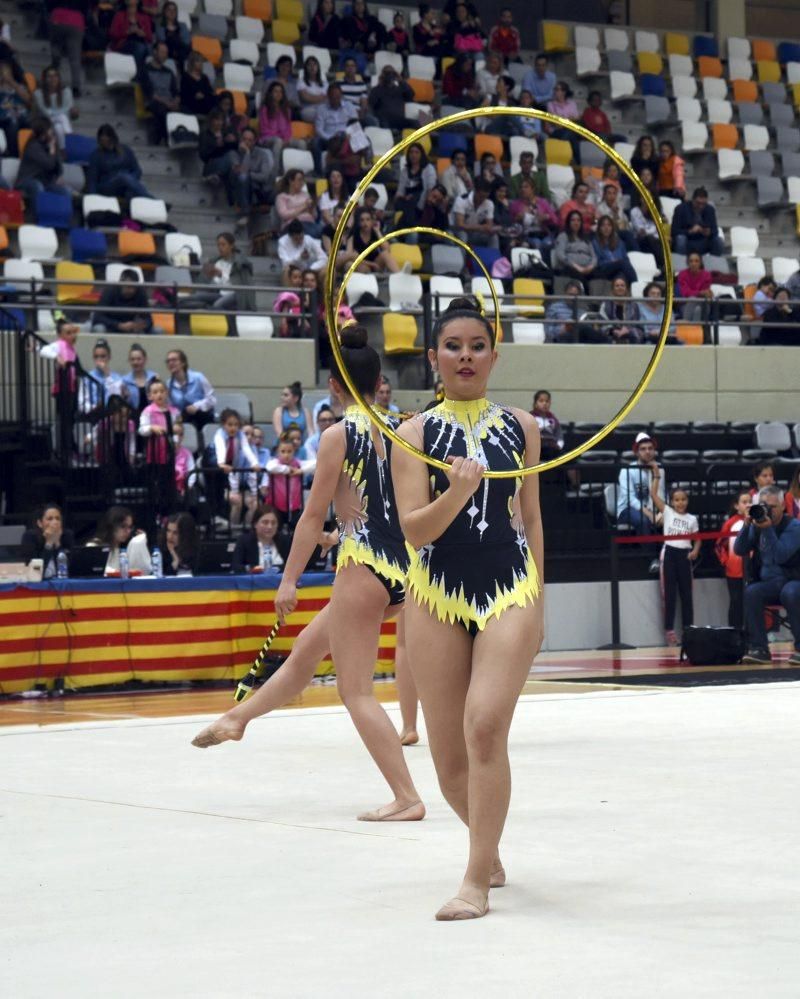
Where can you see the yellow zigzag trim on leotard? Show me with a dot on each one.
(452, 607)
(355, 553)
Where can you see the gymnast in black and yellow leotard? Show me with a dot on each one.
(482, 563)
(473, 613)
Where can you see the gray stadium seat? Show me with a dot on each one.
(656, 110)
(750, 113)
(212, 26)
(773, 93)
(619, 62)
(787, 139)
(762, 163)
(447, 259)
(591, 155)
(235, 400)
(790, 164)
(781, 115)
(773, 436)
(770, 191)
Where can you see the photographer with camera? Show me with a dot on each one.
(772, 540)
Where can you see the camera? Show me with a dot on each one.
(758, 512)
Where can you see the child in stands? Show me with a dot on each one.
(65, 383)
(156, 425)
(763, 476)
(286, 478)
(235, 455)
(549, 426)
(184, 460)
(676, 556)
(114, 436)
(731, 562)
(505, 38)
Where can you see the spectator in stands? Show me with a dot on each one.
(612, 257)
(295, 202)
(160, 89)
(312, 89)
(648, 179)
(645, 155)
(15, 103)
(296, 247)
(218, 149)
(100, 383)
(128, 295)
(361, 30)
(234, 123)
(335, 195)
(528, 128)
(325, 418)
(383, 395)
(131, 32)
(457, 179)
(46, 538)
(397, 38)
(54, 101)
(325, 28)
(473, 217)
(66, 27)
(776, 539)
(610, 205)
(624, 314)
(284, 74)
(253, 170)
(332, 119)
(286, 478)
(135, 382)
(763, 297)
(292, 411)
(645, 232)
(275, 122)
(417, 178)
(387, 100)
(564, 106)
(594, 117)
(264, 547)
(459, 86)
(502, 97)
(189, 391)
(793, 286)
(694, 283)
(671, 172)
(430, 37)
(231, 268)
(651, 312)
(65, 383)
(197, 94)
(781, 322)
(550, 431)
(505, 38)
(238, 460)
(487, 77)
(179, 544)
(573, 253)
(113, 169)
(580, 203)
(365, 231)
(540, 81)
(434, 212)
(694, 226)
(537, 217)
(464, 30)
(793, 495)
(40, 168)
(258, 445)
(174, 33)
(184, 461)
(634, 497)
(114, 440)
(528, 171)
(763, 475)
(115, 531)
(730, 561)
(355, 87)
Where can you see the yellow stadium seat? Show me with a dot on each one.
(165, 321)
(423, 90)
(557, 152)
(796, 94)
(69, 293)
(489, 144)
(690, 334)
(135, 244)
(709, 66)
(208, 324)
(555, 37)
(651, 62)
(797, 219)
(23, 137)
(763, 50)
(209, 48)
(447, 61)
(285, 32)
(290, 10)
(675, 44)
(769, 71)
(302, 130)
(320, 186)
(724, 136)
(425, 141)
(745, 91)
(524, 289)
(400, 334)
(261, 10)
(407, 253)
(138, 99)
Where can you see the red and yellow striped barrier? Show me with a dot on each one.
(108, 631)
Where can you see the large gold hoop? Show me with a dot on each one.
(352, 203)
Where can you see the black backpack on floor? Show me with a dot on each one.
(710, 646)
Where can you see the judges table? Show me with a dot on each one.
(95, 632)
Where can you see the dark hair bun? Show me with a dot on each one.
(297, 388)
(466, 303)
(354, 336)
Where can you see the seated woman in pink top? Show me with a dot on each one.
(295, 202)
(579, 202)
(275, 122)
(694, 283)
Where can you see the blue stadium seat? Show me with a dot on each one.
(788, 52)
(652, 85)
(705, 46)
(488, 255)
(449, 142)
(78, 148)
(87, 245)
(360, 58)
(53, 210)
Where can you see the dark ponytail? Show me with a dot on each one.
(297, 390)
(362, 361)
(464, 307)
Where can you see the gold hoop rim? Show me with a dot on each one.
(398, 149)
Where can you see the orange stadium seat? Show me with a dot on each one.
(423, 90)
(3, 241)
(239, 99)
(166, 320)
(31, 82)
(709, 66)
(261, 10)
(23, 137)
(762, 49)
(745, 91)
(442, 163)
(136, 245)
(690, 334)
(489, 144)
(302, 130)
(209, 48)
(725, 136)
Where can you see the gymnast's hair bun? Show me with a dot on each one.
(466, 303)
(353, 336)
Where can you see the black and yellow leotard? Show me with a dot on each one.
(369, 525)
(482, 564)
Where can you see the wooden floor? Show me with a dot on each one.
(554, 672)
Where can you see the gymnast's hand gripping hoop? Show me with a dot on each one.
(246, 684)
